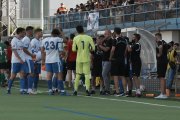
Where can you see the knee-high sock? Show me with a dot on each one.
(10, 82)
(76, 83)
(49, 84)
(30, 82)
(36, 80)
(55, 82)
(22, 84)
(61, 85)
(87, 82)
(121, 86)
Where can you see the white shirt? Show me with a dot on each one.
(18, 46)
(52, 46)
(26, 41)
(36, 48)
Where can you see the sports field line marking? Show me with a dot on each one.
(128, 101)
(136, 102)
(78, 113)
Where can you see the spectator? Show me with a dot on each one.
(61, 10)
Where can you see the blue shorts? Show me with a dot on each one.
(54, 67)
(18, 67)
(37, 67)
(29, 66)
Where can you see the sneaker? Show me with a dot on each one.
(51, 92)
(122, 94)
(63, 93)
(88, 93)
(161, 96)
(117, 94)
(138, 93)
(75, 93)
(107, 93)
(93, 92)
(23, 92)
(31, 92)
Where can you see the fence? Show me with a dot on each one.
(118, 15)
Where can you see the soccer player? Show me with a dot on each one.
(83, 44)
(161, 55)
(18, 60)
(117, 57)
(106, 64)
(36, 49)
(28, 55)
(51, 49)
(135, 50)
(71, 60)
(3, 56)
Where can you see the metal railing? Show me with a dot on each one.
(155, 10)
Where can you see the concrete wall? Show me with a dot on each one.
(169, 36)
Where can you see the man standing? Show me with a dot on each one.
(36, 49)
(161, 55)
(106, 64)
(51, 50)
(135, 50)
(83, 44)
(117, 57)
(28, 55)
(18, 60)
(71, 60)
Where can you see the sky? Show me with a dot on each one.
(54, 4)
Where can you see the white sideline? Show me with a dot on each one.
(136, 102)
(128, 101)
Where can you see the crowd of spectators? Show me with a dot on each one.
(103, 4)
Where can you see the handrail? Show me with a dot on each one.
(148, 11)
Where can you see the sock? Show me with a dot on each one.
(55, 82)
(76, 84)
(22, 84)
(87, 82)
(36, 80)
(50, 84)
(121, 86)
(10, 82)
(30, 82)
(61, 85)
(26, 84)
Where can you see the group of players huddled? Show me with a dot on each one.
(111, 54)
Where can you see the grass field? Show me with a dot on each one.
(45, 107)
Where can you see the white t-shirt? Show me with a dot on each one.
(18, 46)
(26, 41)
(36, 48)
(52, 46)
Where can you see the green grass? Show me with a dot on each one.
(45, 107)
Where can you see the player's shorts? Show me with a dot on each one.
(117, 68)
(3, 65)
(136, 68)
(37, 68)
(18, 67)
(29, 66)
(71, 65)
(83, 68)
(161, 69)
(54, 67)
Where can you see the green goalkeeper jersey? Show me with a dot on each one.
(83, 44)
